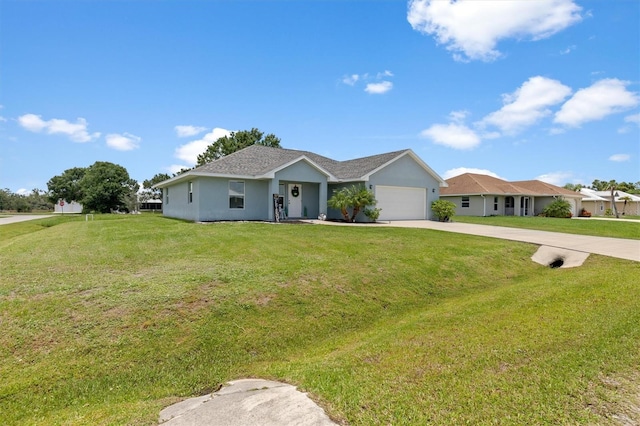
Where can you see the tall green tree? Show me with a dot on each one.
(151, 193)
(67, 185)
(107, 186)
(236, 141)
(573, 186)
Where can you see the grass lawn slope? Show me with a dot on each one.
(108, 321)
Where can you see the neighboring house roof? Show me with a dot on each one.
(262, 162)
(593, 195)
(476, 184)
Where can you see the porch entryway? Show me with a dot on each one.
(294, 200)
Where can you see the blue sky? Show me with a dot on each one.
(545, 89)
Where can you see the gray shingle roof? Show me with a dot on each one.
(258, 160)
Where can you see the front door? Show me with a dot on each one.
(295, 200)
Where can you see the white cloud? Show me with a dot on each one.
(474, 28)
(189, 152)
(556, 178)
(351, 79)
(620, 157)
(23, 191)
(77, 131)
(453, 135)
(186, 131)
(379, 88)
(603, 98)
(528, 104)
(568, 50)
(124, 142)
(374, 85)
(634, 118)
(462, 170)
(458, 116)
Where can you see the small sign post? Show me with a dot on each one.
(62, 206)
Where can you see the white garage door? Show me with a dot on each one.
(401, 202)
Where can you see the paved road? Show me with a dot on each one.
(613, 247)
(22, 218)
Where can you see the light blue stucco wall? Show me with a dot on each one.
(213, 196)
(405, 171)
(211, 200)
(175, 202)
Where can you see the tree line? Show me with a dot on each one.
(606, 185)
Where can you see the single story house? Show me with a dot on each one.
(249, 185)
(150, 205)
(482, 195)
(598, 202)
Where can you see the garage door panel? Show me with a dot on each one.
(401, 202)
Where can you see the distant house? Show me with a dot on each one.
(249, 185)
(598, 202)
(64, 207)
(151, 205)
(482, 195)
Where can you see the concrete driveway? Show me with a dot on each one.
(612, 247)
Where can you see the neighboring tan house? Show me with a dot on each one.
(250, 183)
(598, 202)
(482, 195)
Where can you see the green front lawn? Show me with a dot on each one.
(108, 321)
(596, 227)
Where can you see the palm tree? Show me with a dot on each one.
(356, 196)
(361, 197)
(626, 199)
(341, 201)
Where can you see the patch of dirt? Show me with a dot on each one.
(616, 399)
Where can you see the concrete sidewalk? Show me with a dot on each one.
(248, 402)
(612, 247)
(22, 218)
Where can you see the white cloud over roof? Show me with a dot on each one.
(462, 170)
(556, 178)
(528, 104)
(603, 98)
(452, 135)
(189, 152)
(472, 29)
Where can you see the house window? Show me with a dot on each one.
(495, 204)
(166, 195)
(236, 194)
(465, 201)
(509, 202)
(190, 192)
